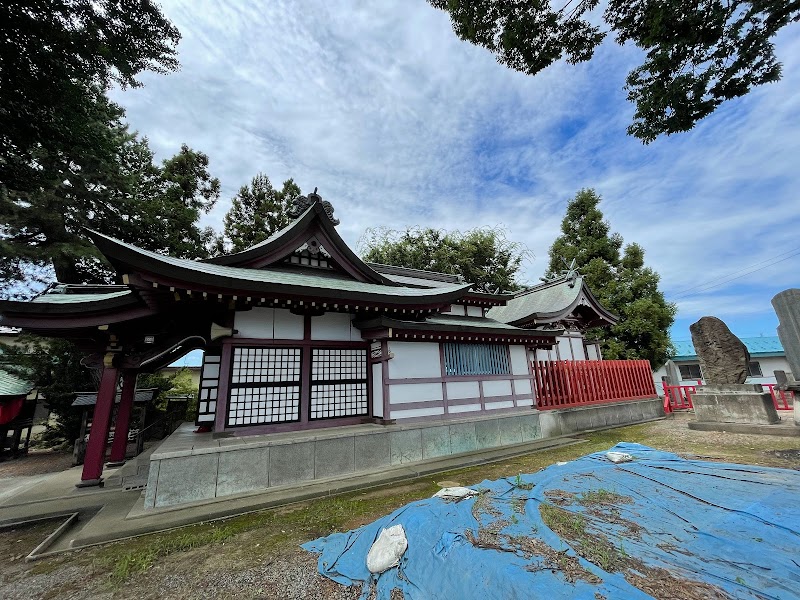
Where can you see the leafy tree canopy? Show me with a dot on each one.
(697, 53)
(125, 195)
(483, 257)
(258, 211)
(620, 281)
(57, 59)
(67, 160)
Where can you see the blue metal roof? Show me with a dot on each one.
(192, 359)
(768, 345)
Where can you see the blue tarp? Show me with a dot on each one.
(733, 527)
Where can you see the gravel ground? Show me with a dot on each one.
(237, 569)
(37, 462)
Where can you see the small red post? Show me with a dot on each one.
(98, 437)
(122, 425)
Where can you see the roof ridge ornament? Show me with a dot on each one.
(570, 274)
(303, 203)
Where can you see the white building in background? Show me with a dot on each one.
(766, 356)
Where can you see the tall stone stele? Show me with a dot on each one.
(725, 397)
(723, 356)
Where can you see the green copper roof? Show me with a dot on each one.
(550, 301)
(11, 385)
(78, 298)
(264, 280)
(547, 298)
(455, 324)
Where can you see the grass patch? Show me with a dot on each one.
(602, 497)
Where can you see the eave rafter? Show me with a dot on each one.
(158, 290)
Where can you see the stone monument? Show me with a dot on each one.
(723, 356)
(725, 397)
(787, 307)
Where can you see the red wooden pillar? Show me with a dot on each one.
(98, 437)
(122, 425)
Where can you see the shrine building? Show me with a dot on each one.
(299, 334)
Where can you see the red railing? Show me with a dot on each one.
(566, 383)
(679, 397)
(782, 399)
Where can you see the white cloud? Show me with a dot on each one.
(400, 123)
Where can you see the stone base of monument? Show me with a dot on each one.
(734, 403)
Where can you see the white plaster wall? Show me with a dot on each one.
(474, 311)
(414, 392)
(578, 352)
(377, 390)
(257, 322)
(334, 326)
(502, 404)
(522, 386)
(457, 309)
(768, 365)
(462, 408)
(288, 326)
(519, 360)
(457, 390)
(211, 371)
(414, 359)
(500, 387)
(564, 348)
(592, 352)
(417, 412)
(525, 402)
(543, 354)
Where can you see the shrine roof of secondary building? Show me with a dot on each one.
(90, 398)
(456, 324)
(13, 386)
(554, 301)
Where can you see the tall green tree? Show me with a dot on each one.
(64, 149)
(126, 196)
(57, 60)
(621, 282)
(483, 257)
(258, 211)
(698, 54)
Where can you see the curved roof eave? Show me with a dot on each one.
(89, 303)
(481, 326)
(128, 258)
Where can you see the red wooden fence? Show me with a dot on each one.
(566, 383)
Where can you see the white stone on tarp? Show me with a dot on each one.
(619, 457)
(386, 551)
(455, 493)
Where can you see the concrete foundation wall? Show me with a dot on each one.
(221, 467)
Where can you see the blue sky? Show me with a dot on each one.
(399, 123)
